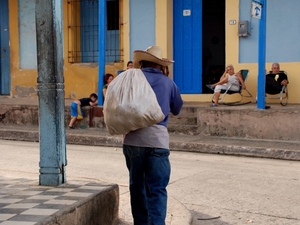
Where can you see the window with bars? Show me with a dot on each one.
(83, 31)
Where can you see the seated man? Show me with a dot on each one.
(275, 80)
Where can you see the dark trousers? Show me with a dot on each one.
(272, 86)
(149, 174)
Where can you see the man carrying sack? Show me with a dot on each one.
(146, 149)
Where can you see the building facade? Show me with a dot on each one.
(202, 36)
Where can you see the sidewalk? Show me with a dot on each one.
(24, 202)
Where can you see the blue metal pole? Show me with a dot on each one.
(5, 82)
(102, 48)
(261, 104)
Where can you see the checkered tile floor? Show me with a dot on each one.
(24, 202)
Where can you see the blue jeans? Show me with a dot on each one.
(149, 174)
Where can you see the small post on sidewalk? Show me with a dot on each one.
(48, 14)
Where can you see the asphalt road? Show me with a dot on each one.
(217, 189)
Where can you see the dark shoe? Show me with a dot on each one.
(71, 127)
(213, 105)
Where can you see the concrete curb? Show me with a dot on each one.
(238, 149)
(249, 151)
(76, 202)
(100, 208)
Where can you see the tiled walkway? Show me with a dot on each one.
(24, 202)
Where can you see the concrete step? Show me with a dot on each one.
(29, 115)
(183, 129)
(188, 111)
(180, 120)
(19, 114)
(246, 121)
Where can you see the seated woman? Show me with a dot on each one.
(129, 65)
(275, 80)
(227, 79)
(107, 79)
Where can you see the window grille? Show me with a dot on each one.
(83, 31)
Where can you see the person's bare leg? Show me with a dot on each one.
(72, 121)
(217, 96)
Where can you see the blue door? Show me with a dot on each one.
(4, 49)
(188, 45)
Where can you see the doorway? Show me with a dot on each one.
(199, 44)
(213, 42)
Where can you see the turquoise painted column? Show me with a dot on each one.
(48, 14)
(102, 48)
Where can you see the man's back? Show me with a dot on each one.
(166, 91)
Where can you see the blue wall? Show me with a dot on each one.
(283, 32)
(142, 24)
(27, 34)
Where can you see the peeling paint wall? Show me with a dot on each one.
(80, 79)
(25, 91)
(19, 77)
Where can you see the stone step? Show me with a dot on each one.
(19, 114)
(28, 115)
(180, 120)
(277, 123)
(183, 129)
(188, 111)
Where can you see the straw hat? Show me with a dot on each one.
(151, 54)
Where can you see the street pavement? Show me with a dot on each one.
(216, 189)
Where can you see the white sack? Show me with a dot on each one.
(130, 103)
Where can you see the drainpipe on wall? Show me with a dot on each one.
(102, 48)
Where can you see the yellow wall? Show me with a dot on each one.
(24, 81)
(81, 79)
(164, 28)
(125, 35)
